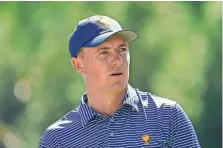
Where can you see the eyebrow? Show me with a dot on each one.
(105, 48)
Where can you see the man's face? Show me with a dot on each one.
(106, 66)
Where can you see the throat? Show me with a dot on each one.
(105, 105)
(105, 102)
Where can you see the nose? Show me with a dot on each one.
(116, 59)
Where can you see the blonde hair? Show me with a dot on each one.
(80, 52)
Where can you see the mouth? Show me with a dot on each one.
(116, 74)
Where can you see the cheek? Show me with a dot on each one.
(127, 61)
(128, 58)
(127, 64)
(97, 71)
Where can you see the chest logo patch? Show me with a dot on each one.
(146, 138)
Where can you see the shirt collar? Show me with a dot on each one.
(87, 113)
(131, 98)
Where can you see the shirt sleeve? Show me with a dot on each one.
(42, 145)
(48, 140)
(182, 133)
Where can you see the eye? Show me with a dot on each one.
(122, 49)
(104, 52)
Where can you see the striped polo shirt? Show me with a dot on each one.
(143, 120)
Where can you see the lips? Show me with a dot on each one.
(116, 74)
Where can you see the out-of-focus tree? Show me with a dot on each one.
(177, 55)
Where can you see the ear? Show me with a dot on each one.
(77, 63)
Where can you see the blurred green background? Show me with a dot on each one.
(177, 55)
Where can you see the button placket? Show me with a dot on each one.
(111, 130)
(112, 119)
(112, 134)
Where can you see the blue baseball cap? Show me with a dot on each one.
(94, 30)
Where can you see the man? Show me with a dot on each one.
(111, 113)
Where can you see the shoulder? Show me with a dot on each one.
(158, 101)
(165, 108)
(66, 120)
(49, 137)
(162, 102)
(165, 105)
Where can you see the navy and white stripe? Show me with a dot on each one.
(141, 114)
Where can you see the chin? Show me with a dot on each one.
(118, 86)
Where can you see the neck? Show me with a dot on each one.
(105, 102)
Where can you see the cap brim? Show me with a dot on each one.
(129, 35)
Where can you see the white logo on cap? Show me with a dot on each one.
(104, 22)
